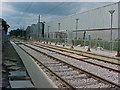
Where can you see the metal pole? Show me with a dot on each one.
(48, 31)
(84, 38)
(39, 26)
(111, 33)
(76, 27)
(59, 26)
(111, 12)
(59, 31)
(66, 38)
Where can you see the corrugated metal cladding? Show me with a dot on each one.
(119, 20)
(98, 18)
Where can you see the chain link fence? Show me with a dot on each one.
(97, 43)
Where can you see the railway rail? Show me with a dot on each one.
(107, 71)
(51, 65)
(108, 59)
(80, 59)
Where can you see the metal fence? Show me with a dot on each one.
(98, 44)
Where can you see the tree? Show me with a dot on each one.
(17, 33)
(5, 26)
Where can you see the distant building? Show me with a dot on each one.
(28, 31)
(35, 31)
(3, 29)
(92, 24)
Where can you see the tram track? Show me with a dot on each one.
(108, 59)
(72, 56)
(73, 67)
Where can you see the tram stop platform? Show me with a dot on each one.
(38, 76)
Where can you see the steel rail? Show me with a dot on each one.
(91, 53)
(79, 69)
(77, 51)
(58, 77)
(114, 70)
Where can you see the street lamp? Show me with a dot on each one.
(59, 26)
(76, 27)
(39, 26)
(43, 34)
(59, 31)
(66, 38)
(48, 31)
(111, 12)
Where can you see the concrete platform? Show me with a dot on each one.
(21, 84)
(39, 78)
(10, 57)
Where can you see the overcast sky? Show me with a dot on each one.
(26, 13)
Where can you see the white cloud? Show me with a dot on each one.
(59, 0)
(11, 16)
(0, 9)
(48, 18)
(7, 10)
(26, 19)
(83, 9)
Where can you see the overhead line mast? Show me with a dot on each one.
(39, 26)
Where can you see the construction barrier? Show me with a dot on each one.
(88, 49)
(118, 54)
(72, 46)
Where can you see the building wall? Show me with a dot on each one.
(119, 20)
(35, 31)
(119, 27)
(98, 18)
(3, 29)
(104, 35)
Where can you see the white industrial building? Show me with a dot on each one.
(92, 24)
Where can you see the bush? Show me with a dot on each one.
(21, 38)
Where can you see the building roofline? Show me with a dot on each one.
(85, 11)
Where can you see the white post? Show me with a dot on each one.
(111, 12)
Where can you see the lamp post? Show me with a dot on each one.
(59, 26)
(39, 27)
(59, 31)
(111, 12)
(76, 27)
(48, 31)
(43, 34)
(66, 38)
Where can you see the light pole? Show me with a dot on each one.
(76, 27)
(59, 31)
(111, 12)
(43, 33)
(39, 27)
(66, 38)
(59, 26)
(48, 31)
